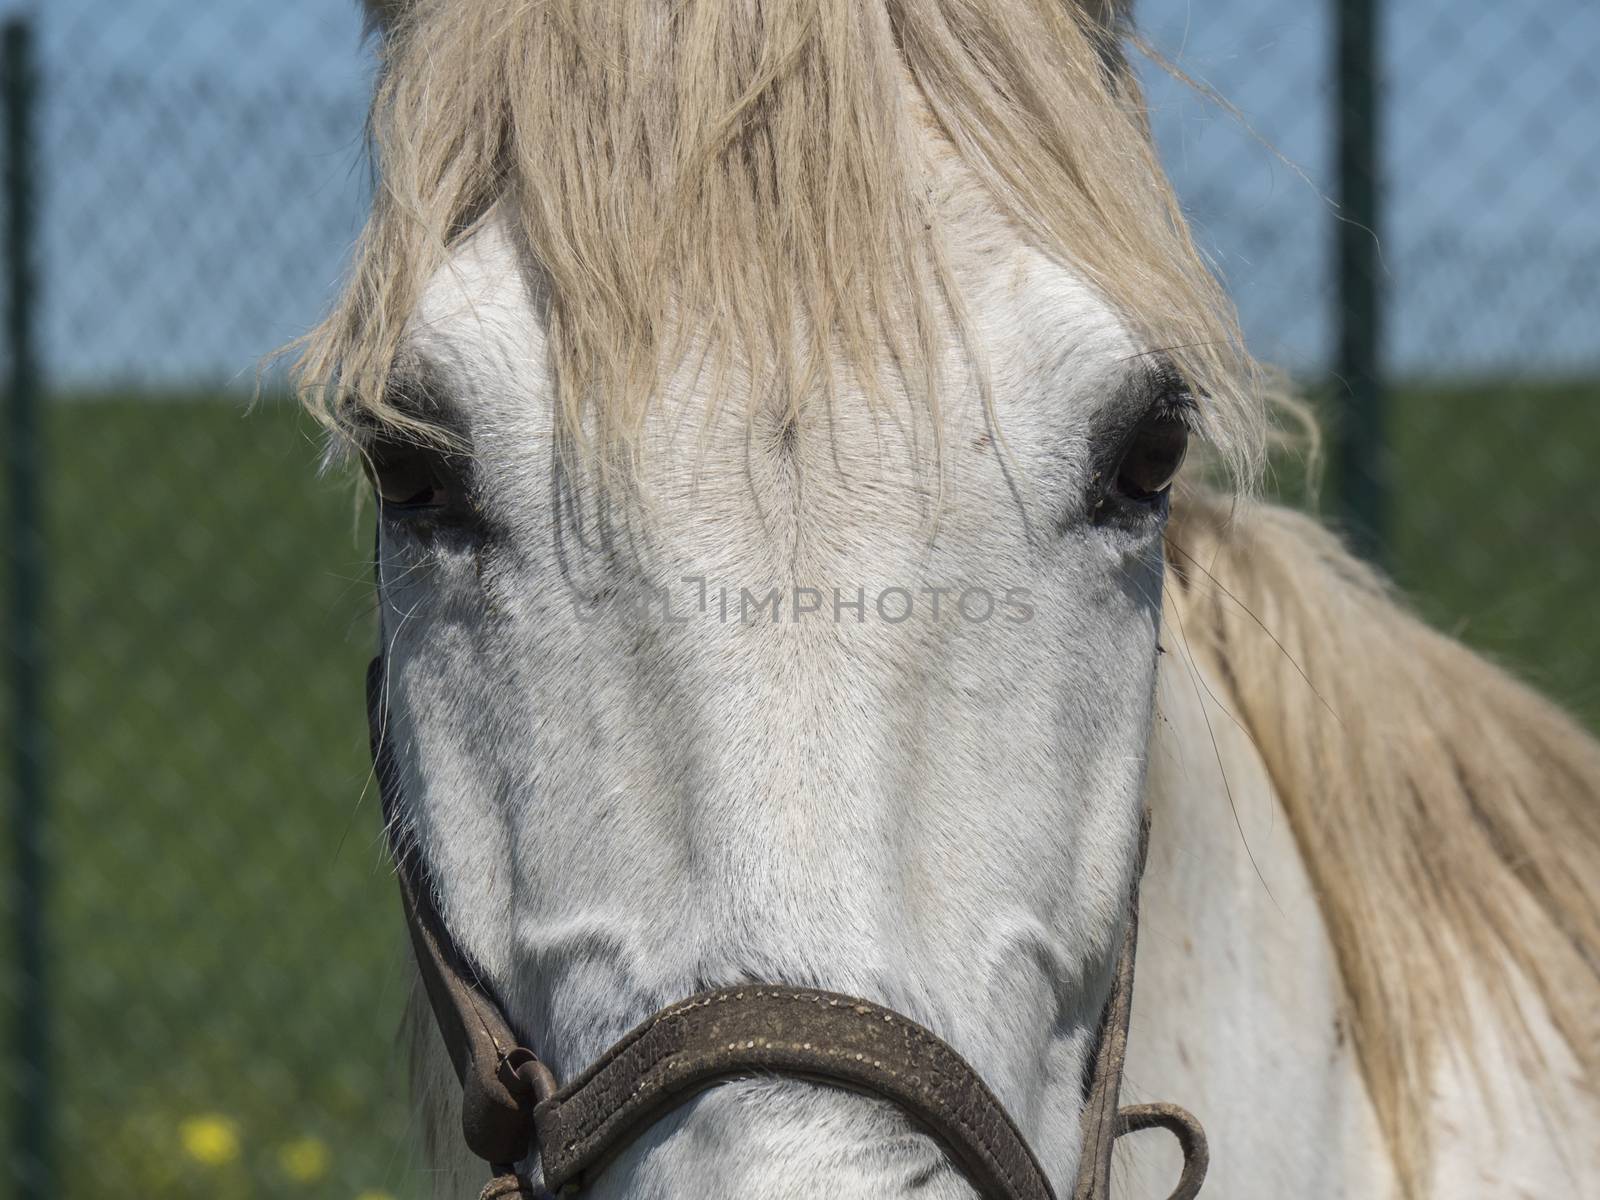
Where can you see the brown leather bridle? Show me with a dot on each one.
(512, 1104)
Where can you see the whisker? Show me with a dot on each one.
(1227, 785)
(1245, 608)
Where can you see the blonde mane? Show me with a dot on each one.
(1446, 813)
(754, 174)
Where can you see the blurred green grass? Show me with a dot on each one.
(227, 947)
(226, 940)
(1495, 522)
(1497, 536)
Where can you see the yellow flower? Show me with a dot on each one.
(305, 1160)
(210, 1139)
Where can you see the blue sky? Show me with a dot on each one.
(203, 177)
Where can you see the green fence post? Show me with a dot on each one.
(31, 1098)
(1361, 448)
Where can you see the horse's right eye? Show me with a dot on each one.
(412, 479)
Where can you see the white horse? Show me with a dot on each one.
(775, 404)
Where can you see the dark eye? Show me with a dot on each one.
(1153, 454)
(411, 478)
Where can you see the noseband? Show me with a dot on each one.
(512, 1104)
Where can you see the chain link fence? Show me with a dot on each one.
(204, 964)
(1486, 258)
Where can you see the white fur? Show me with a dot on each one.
(1237, 996)
(1238, 1011)
(937, 815)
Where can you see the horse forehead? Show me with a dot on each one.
(1050, 344)
(480, 314)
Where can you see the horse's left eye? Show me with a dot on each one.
(1152, 456)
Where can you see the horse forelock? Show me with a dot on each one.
(759, 178)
